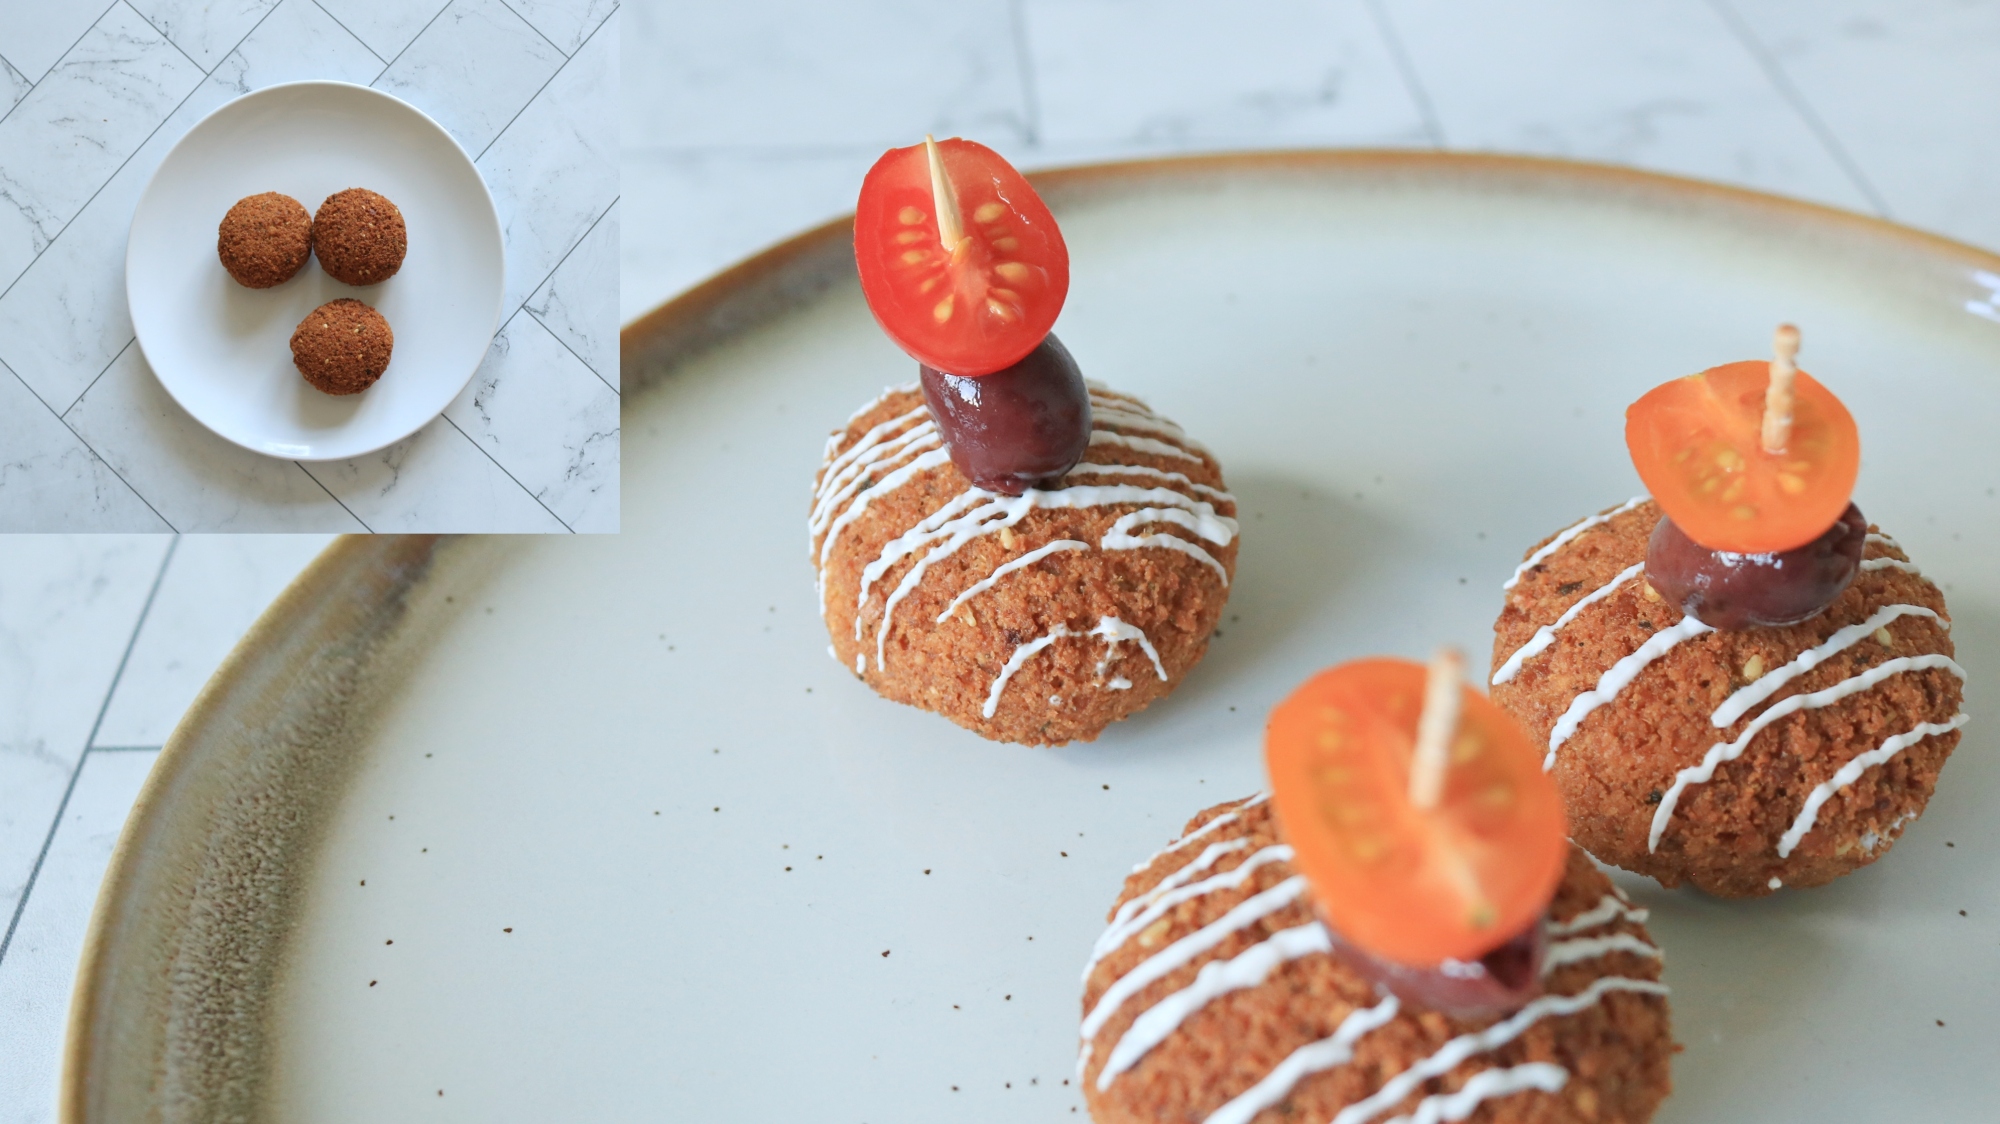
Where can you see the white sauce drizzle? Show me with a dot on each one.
(1141, 444)
(911, 387)
(1722, 752)
(1617, 678)
(838, 484)
(1014, 663)
(883, 487)
(1118, 683)
(1609, 908)
(1852, 771)
(1546, 635)
(1028, 559)
(1113, 415)
(1484, 1086)
(1589, 948)
(1228, 817)
(837, 468)
(1567, 535)
(1493, 1037)
(1111, 629)
(1869, 840)
(1879, 537)
(1114, 938)
(1208, 858)
(1335, 1049)
(1091, 468)
(1246, 913)
(1119, 537)
(1115, 631)
(1891, 563)
(1217, 978)
(1001, 512)
(1768, 684)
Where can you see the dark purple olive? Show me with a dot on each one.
(1020, 426)
(1725, 590)
(1502, 980)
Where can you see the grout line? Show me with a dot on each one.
(413, 39)
(550, 278)
(35, 872)
(329, 492)
(92, 449)
(161, 32)
(12, 69)
(539, 90)
(1408, 69)
(532, 315)
(95, 379)
(1797, 99)
(1030, 93)
(496, 461)
(350, 34)
(533, 28)
(136, 149)
(58, 62)
(124, 749)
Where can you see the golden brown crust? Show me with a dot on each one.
(1616, 1051)
(342, 346)
(359, 237)
(1062, 692)
(1724, 835)
(264, 240)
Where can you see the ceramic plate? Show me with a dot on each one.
(224, 351)
(644, 852)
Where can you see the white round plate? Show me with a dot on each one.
(224, 351)
(645, 853)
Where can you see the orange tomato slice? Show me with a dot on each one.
(1697, 443)
(1413, 885)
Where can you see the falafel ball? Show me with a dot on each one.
(1215, 994)
(264, 239)
(342, 346)
(359, 237)
(1040, 618)
(1740, 760)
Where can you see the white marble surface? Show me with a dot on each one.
(744, 123)
(528, 90)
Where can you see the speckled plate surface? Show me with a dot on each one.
(634, 848)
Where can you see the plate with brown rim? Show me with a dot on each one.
(510, 829)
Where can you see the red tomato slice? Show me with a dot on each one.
(1413, 885)
(976, 308)
(1697, 443)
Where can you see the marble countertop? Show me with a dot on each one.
(743, 123)
(92, 96)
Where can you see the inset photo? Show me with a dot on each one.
(295, 266)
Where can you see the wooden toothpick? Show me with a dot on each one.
(1778, 395)
(1443, 696)
(951, 232)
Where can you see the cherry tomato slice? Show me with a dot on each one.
(1413, 885)
(1697, 443)
(976, 308)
